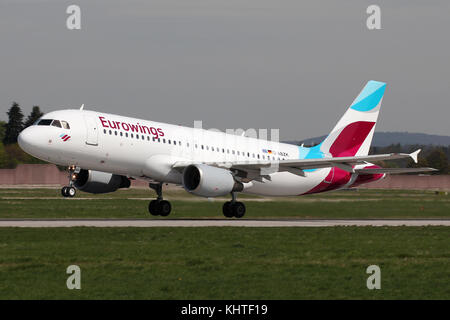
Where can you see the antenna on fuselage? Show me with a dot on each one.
(82, 107)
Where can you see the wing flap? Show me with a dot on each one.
(393, 170)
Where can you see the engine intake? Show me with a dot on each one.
(100, 182)
(208, 181)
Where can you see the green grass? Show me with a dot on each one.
(132, 203)
(225, 263)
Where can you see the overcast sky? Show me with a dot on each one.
(292, 65)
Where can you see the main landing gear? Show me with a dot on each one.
(159, 207)
(233, 208)
(70, 191)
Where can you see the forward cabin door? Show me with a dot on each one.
(91, 130)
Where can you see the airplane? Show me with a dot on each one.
(103, 152)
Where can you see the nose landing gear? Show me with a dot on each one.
(159, 207)
(70, 191)
(233, 208)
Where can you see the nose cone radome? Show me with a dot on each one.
(32, 141)
(25, 139)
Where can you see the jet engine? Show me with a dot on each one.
(207, 181)
(99, 182)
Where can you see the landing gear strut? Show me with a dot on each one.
(159, 207)
(70, 191)
(233, 208)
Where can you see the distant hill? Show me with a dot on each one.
(384, 139)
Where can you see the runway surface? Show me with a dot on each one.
(56, 223)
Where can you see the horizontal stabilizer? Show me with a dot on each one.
(393, 170)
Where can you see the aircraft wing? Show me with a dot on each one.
(265, 167)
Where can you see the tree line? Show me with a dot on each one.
(10, 153)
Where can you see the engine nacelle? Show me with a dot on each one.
(206, 181)
(99, 182)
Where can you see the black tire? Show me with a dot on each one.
(153, 208)
(227, 210)
(238, 209)
(164, 208)
(64, 192)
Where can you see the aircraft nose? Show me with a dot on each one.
(25, 139)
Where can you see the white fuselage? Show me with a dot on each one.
(147, 150)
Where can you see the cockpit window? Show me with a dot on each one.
(45, 122)
(65, 124)
(56, 123)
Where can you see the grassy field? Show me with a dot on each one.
(225, 263)
(132, 203)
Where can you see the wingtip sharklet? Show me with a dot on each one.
(414, 155)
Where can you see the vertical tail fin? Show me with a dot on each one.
(353, 134)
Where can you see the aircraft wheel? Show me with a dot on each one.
(227, 210)
(153, 208)
(238, 209)
(64, 192)
(164, 208)
(71, 191)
